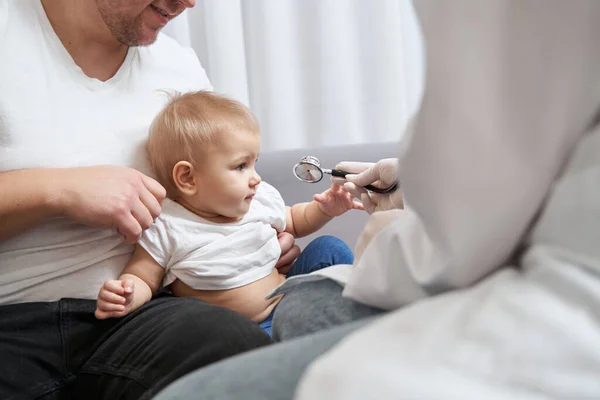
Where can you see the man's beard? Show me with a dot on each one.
(127, 32)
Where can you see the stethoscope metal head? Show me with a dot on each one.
(309, 169)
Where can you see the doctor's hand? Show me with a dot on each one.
(289, 252)
(383, 173)
(377, 221)
(336, 201)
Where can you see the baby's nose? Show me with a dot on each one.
(256, 179)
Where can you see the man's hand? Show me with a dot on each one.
(383, 173)
(336, 201)
(114, 299)
(109, 196)
(289, 252)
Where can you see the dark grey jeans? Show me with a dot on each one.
(273, 372)
(59, 350)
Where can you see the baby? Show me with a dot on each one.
(216, 239)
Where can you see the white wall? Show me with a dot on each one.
(315, 72)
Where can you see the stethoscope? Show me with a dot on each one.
(309, 170)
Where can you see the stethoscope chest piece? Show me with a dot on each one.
(309, 169)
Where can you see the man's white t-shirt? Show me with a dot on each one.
(53, 115)
(216, 256)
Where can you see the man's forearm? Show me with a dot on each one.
(308, 218)
(27, 197)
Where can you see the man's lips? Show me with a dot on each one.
(163, 12)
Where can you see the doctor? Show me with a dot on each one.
(492, 269)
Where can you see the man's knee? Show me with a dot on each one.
(198, 326)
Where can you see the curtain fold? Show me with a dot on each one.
(315, 72)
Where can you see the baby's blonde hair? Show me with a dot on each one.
(187, 123)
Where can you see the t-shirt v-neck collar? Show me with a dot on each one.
(75, 70)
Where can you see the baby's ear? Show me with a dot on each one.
(183, 177)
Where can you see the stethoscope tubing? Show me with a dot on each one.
(342, 174)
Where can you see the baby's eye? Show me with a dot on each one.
(241, 167)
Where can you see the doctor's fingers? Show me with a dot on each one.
(383, 202)
(338, 181)
(384, 172)
(388, 170)
(368, 204)
(353, 167)
(355, 190)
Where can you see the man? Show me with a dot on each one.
(77, 94)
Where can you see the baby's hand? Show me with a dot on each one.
(114, 299)
(336, 201)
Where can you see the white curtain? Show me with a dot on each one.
(315, 72)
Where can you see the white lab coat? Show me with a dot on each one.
(502, 185)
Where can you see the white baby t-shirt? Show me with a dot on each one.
(216, 256)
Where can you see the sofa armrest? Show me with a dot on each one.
(276, 169)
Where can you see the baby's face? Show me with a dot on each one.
(227, 178)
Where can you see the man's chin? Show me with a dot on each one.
(139, 43)
(141, 40)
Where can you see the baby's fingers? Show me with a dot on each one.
(356, 191)
(320, 198)
(114, 286)
(99, 314)
(338, 181)
(107, 314)
(109, 297)
(357, 205)
(104, 305)
(128, 286)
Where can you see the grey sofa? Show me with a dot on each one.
(276, 168)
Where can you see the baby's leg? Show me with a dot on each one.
(322, 252)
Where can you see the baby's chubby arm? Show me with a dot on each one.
(305, 218)
(139, 280)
